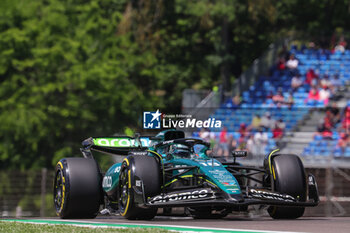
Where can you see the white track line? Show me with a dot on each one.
(179, 226)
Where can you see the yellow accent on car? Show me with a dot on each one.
(63, 188)
(128, 201)
(187, 176)
(61, 165)
(127, 206)
(174, 180)
(210, 182)
(127, 161)
(160, 156)
(273, 172)
(269, 159)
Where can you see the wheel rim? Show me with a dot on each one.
(58, 190)
(123, 188)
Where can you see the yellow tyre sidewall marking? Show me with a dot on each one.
(270, 163)
(63, 188)
(129, 186)
(273, 172)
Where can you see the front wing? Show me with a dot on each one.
(189, 199)
(216, 197)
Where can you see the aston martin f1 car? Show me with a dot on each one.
(169, 170)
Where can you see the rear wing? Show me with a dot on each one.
(120, 145)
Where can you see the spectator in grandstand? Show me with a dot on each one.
(289, 100)
(281, 64)
(328, 121)
(281, 124)
(243, 131)
(250, 146)
(255, 122)
(267, 104)
(335, 112)
(341, 45)
(292, 64)
(204, 134)
(335, 83)
(346, 120)
(223, 143)
(269, 95)
(313, 94)
(343, 142)
(278, 98)
(278, 69)
(241, 140)
(296, 82)
(212, 141)
(236, 100)
(232, 144)
(327, 133)
(325, 81)
(277, 132)
(324, 95)
(310, 76)
(267, 122)
(320, 128)
(311, 46)
(260, 140)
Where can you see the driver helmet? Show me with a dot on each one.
(181, 150)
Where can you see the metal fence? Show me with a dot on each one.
(201, 103)
(26, 193)
(260, 66)
(29, 193)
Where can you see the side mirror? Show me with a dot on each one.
(239, 153)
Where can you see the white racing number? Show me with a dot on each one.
(117, 169)
(210, 163)
(107, 182)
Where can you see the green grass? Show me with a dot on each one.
(9, 227)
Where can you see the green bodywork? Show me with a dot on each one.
(215, 172)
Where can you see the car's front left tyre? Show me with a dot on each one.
(289, 177)
(147, 170)
(77, 188)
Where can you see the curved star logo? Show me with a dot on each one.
(156, 115)
(151, 120)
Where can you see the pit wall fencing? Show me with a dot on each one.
(29, 193)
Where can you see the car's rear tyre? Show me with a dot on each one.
(288, 178)
(146, 169)
(77, 188)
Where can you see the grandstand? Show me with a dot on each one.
(321, 139)
(296, 107)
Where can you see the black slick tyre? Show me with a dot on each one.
(288, 178)
(135, 169)
(77, 188)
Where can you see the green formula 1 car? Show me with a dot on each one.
(169, 170)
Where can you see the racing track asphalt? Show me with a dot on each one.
(304, 224)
